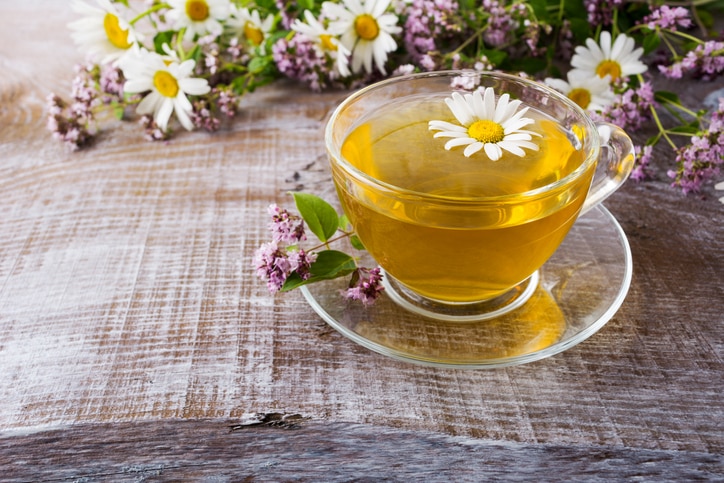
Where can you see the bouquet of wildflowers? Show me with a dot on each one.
(188, 63)
(192, 60)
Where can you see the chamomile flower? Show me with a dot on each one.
(249, 25)
(365, 30)
(324, 41)
(591, 93)
(487, 125)
(198, 17)
(102, 32)
(616, 60)
(168, 82)
(720, 186)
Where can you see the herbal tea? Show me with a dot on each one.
(481, 236)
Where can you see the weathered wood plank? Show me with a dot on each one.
(127, 298)
(302, 450)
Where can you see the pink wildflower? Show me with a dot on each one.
(365, 285)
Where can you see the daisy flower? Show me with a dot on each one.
(616, 60)
(365, 30)
(720, 186)
(168, 82)
(102, 33)
(591, 93)
(249, 25)
(486, 125)
(324, 41)
(198, 17)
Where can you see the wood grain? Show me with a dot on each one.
(313, 451)
(130, 316)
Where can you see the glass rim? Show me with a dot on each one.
(334, 151)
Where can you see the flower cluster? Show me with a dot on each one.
(284, 265)
(188, 62)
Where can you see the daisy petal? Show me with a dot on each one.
(453, 143)
(493, 151)
(473, 148)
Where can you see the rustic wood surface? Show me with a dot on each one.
(136, 344)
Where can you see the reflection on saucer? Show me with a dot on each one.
(581, 287)
(538, 324)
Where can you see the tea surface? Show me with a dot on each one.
(457, 251)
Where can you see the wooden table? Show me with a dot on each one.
(136, 344)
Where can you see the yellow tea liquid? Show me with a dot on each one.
(457, 248)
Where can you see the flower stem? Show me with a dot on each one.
(148, 12)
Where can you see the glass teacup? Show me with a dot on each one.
(463, 236)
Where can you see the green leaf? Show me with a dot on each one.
(496, 57)
(118, 111)
(685, 129)
(666, 97)
(651, 42)
(258, 64)
(356, 242)
(581, 29)
(328, 265)
(540, 8)
(165, 37)
(319, 215)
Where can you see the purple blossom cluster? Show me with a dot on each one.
(221, 101)
(151, 130)
(365, 285)
(428, 21)
(668, 18)
(298, 58)
(643, 159)
(71, 122)
(703, 157)
(706, 61)
(275, 261)
(500, 23)
(600, 12)
(631, 109)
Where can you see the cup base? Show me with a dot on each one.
(460, 312)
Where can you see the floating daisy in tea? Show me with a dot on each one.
(616, 60)
(486, 125)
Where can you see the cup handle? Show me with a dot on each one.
(614, 164)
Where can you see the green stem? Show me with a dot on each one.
(148, 12)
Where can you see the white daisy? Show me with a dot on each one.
(591, 93)
(168, 82)
(485, 125)
(616, 61)
(365, 30)
(249, 25)
(198, 17)
(102, 33)
(720, 186)
(324, 41)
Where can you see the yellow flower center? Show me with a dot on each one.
(366, 27)
(486, 131)
(326, 41)
(165, 83)
(609, 67)
(580, 96)
(197, 10)
(116, 35)
(253, 33)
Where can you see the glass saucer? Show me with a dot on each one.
(581, 287)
